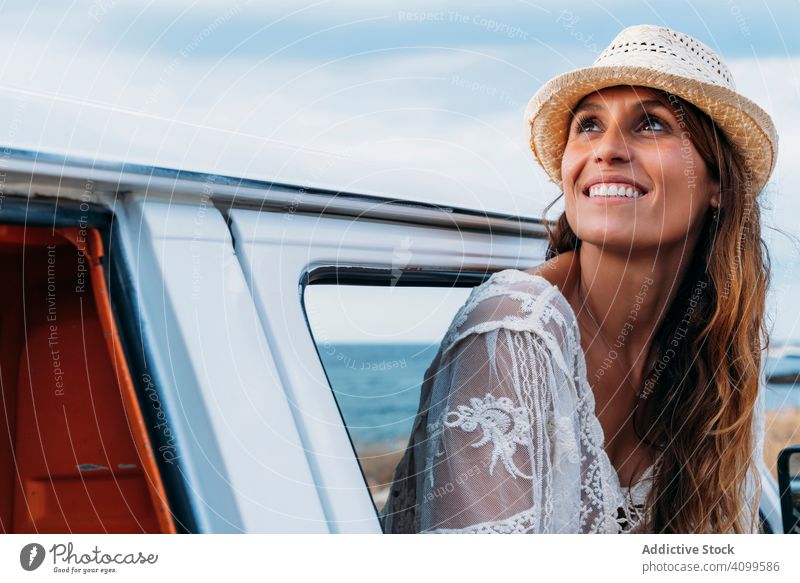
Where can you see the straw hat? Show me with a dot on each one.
(660, 58)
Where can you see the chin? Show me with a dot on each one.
(608, 239)
(599, 231)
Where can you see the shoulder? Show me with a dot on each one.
(560, 271)
(517, 300)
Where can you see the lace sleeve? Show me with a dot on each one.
(509, 447)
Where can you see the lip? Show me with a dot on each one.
(618, 179)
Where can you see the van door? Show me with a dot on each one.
(284, 255)
(232, 425)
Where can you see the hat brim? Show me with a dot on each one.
(748, 127)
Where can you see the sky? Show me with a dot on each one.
(420, 100)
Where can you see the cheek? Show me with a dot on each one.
(685, 187)
(571, 163)
(570, 170)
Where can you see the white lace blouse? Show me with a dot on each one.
(510, 441)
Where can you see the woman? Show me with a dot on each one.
(615, 388)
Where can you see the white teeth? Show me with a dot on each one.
(603, 189)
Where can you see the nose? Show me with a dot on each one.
(612, 146)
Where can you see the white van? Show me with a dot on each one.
(160, 370)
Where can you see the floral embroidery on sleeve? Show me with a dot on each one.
(502, 424)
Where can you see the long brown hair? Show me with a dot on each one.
(701, 393)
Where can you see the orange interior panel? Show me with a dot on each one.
(75, 456)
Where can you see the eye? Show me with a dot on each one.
(653, 123)
(586, 123)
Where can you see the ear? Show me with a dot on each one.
(714, 201)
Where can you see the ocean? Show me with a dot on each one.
(377, 387)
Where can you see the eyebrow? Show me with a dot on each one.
(644, 103)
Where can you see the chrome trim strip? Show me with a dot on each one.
(35, 173)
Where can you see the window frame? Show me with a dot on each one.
(376, 276)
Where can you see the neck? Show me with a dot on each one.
(628, 295)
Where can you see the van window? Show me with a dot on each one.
(74, 452)
(375, 344)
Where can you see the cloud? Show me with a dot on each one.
(421, 110)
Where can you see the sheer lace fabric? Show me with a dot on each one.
(507, 439)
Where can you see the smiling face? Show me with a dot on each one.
(623, 140)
